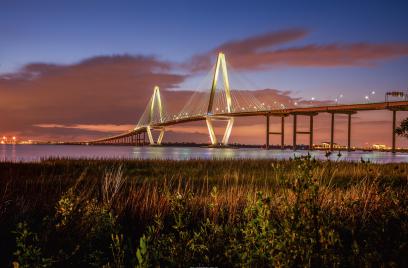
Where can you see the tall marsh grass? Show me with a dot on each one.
(298, 212)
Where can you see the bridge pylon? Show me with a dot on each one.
(155, 101)
(221, 66)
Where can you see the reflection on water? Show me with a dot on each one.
(27, 153)
(8, 152)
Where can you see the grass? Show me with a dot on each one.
(211, 213)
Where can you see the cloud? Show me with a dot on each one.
(247, 46)
(96, 91)
(263, 51)
(105, 128)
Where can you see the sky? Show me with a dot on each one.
(78, 70)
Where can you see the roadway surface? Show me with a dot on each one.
(343, 108)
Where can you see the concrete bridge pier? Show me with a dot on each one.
(394, 121)
(349, 132)
(332, 123)
(332, 132)
(281, 133)
(294, 131)
(150, 135)
(310, 132)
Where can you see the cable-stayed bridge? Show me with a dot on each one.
(220, 103)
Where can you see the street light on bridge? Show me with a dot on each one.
(338, 98)
(367, 97)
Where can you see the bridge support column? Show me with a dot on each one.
(332, 132)
(311, 132)
(294, 131)
(267, 132)
(282, 132)
(210, 127)
(150, 136)
(349, 132)
(394, 121)
(227, 132)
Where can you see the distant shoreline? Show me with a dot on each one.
(231, 146)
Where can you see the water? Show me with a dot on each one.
(31, 153)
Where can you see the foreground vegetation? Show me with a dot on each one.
(228, 213)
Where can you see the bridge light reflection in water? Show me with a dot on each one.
(34, 153)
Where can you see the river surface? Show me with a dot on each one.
(33, 153)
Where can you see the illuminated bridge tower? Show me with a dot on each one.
(210, 117)
(155, 115)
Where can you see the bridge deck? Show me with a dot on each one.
(344, 108)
